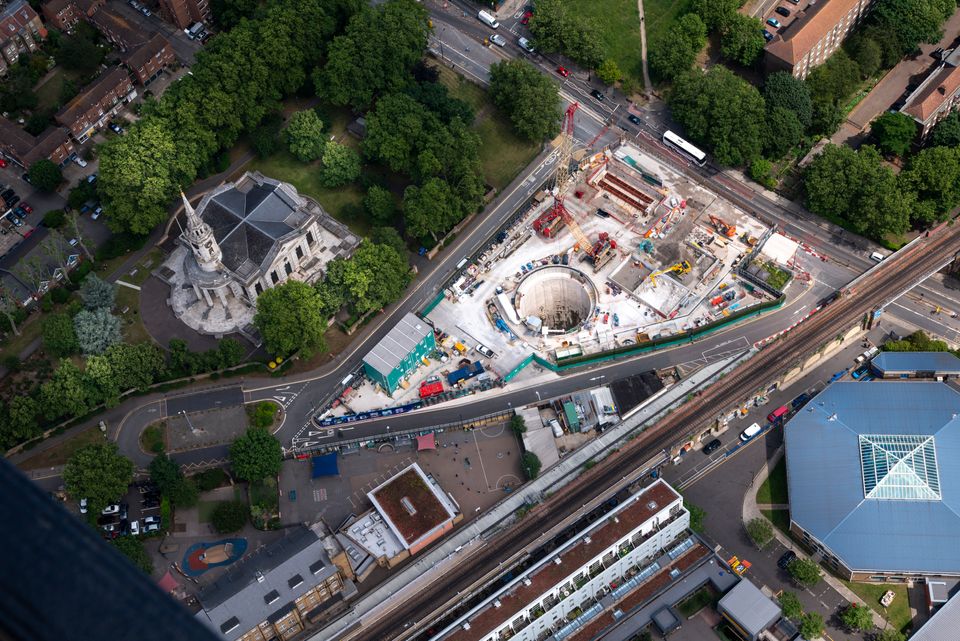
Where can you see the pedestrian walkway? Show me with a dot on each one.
(647, 84)
(751, 510)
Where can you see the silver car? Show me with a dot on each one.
(499, 40)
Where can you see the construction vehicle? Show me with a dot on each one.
(602, 251)
(549, 223)
(680, 268)
(728, 230)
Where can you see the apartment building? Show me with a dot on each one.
(815, 33)
(147, 61)
(65, 14)
(937, 95)
(21, 30)
(99, 101)
(23, 149)
(118, 30)
(183, 13)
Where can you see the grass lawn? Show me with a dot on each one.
(133, 329)
(898, 614)
(619, 24)
(779, 518)
(774, 489)
(29, 331)
(48, 94)
(503, 154)
(306, 178)
(59, 454)
(205, 510)
(697, 601)
(153, 438)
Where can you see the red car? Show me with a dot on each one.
(27, 208)
(563, 71)
(526, 17)
(3, 163)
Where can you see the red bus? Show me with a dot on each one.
(777, 415)
(431, 389)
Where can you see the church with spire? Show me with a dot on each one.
(241, 239)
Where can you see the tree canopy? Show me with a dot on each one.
(97, 293)
(59, 337)
(255, 455)
(98, 473)
(229, 516)
(290, 318)
(933, 175)
(914, 21)
(45, 175)
(132, 548)
(857, 617)
(790, 605)
(557, 27)
(760, 531)
(781, 89)
(741, 39)
(722, 111)
(946, 133)
(530, 99)
(673, 53)
(341, 165)
(716, 14)
(372, 278)
(305, 134)
(894, 133)
(96, 330)
(811, 625)
(804, 571)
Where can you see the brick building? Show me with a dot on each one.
(65, 14)
(148, 60)
(183, 13)
(21, 30)
(96, 104)
(815, 33)
(937, 95)
(118, 30)
(23, 149)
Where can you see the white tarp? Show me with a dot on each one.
(779, 248)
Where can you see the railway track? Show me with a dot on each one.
(894, 276)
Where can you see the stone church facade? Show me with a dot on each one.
(242, 239)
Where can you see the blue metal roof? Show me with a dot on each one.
(827, 477)
(909, 362)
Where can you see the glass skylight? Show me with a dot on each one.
(899, 467)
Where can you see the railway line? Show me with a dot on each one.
(892, 277)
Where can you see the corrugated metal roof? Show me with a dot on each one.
(826, 480)
(942, 625)
(909, 362)
(750, 607)
(396, 345)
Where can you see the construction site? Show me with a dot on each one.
(619, 250)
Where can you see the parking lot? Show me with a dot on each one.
(137, 512)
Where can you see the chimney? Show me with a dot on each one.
(942, 89)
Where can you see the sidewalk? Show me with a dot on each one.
(751, 510)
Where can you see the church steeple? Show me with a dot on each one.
(199, 236)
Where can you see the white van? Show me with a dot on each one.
(488, 19)
(750, 432)
(877, 256)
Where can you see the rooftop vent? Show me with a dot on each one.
(408, 506)
(527, 582)
(587, 540)
(558, 560)
(652, 505)
(466, 626)
(496, 603)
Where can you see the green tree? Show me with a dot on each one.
(58, 335)
(389, 236)
(96, 330)
(914, 21)
(210, 479)
(184, 493)
(290, 318)
(65, 392)
(716, 14)
(741, 39)
(305, 135)
(761, 170)
(559, 27)
(697, 516)
(804, 571)
(946, 133)
(790, 605)
(79, 53)
(132, 548)
(933, 175)
(866, 53)
(894, 133)
(372, 278)
(98, 473)
(45, 175)
(54, 218)
(835, 79)
(262, 414)
(784, 131)
(857, 617)
(256, 455)
(760, 531)
(672, 54)
(228, 13)
(518, 425)
(856, 187)
(379, 204)
(811, 625)
(609, 72)
(341, 165)
(21, 422)
(781, 89)
(530, 99)
(229, 516)
(530, 464)
(165, 473)
(721, 111)
(430, 209)
(97, 293)
(265, 138)
(81, 193)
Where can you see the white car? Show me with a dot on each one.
(525, 45)
(134, 528)
(80, 161)
(111, 509)
(750, 432)
(83, 506)
(498, 40)
(96, 213)
(150, 520)
(153, 527)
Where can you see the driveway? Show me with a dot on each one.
(894, 84)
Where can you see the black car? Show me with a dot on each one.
(12, 200)
(712, 446)
(635, 119)
(783, 11)
(26, 177)
(7, 194)
(784, 561)
(596, 94)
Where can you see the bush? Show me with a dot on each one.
(54, 218)
(210, 479)
(791, 606)
(805, 572)
(229, 516)
(760, 531)
(811, 625)
(132, 548)
(530, 464)
(697, 515)
(857, 617)
(261, 414)
(518, 425)
(60, 295)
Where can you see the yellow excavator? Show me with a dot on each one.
(680, 268)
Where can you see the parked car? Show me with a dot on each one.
(150, 504)
(12, 200)
(783, 11)
(596, 94)
(154, 527)
(773, 22)
(525, 45)
(96, 213)
(712, 446)
(7, 193)
(498, 40)
(750, 432)
(73, 242)
(124, 508)
(486, 351)
(563, 71)
(92, 178)
(25, 177)
(83, 506)
(110, 527)
(151, 519)
(111, 509)
(80, 161)
(26, 207)
(634, 119)
(134, 528)
(3, 163)
(766, 35)
(785, 559)
(146, 12)
(16, 221)
(115, 128)
(526, 17)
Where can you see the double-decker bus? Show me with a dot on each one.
(676, 142)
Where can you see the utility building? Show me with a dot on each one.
(399, 352)
(939, 365)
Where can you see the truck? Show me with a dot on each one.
(429, 389)
(777, 415)
(464, 373)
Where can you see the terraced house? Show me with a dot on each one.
(21, 30)
(99, 101)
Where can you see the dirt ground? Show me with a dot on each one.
(473, 467)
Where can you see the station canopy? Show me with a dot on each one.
(426, 442)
